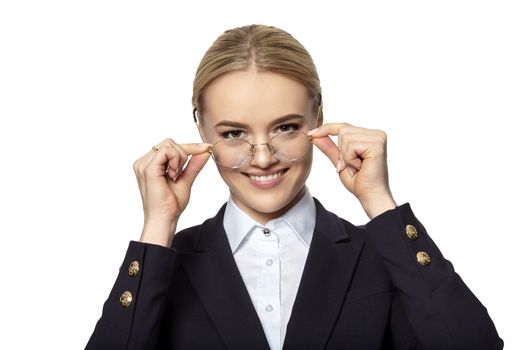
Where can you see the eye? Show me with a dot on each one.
(232, 134)
(288, 127)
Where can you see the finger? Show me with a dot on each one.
(142, 163)
(139, 164)
(354, 147)
(193, 168)
(140, 167)
(168, 153)
(328, 147)
(340, 162)
(195, 148)
(185, 151)
(157, 163)
(170, 157)
(189, 148)
(327, 129)
(338, 128)
(176, 164)
(351, 156)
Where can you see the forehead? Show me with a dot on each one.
(254, 97)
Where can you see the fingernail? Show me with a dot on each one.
(339, 166)
(350, 171)
(311, 132)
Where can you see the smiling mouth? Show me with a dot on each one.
(267, 178)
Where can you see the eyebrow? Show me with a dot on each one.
(279, 120)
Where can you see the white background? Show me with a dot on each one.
(88, 87)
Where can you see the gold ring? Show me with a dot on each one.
(155, 148)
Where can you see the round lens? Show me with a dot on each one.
(290, 146)
(231, 153)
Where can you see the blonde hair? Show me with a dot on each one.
(266, 48)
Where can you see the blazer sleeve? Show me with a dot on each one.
(132, 314)
(441, 309)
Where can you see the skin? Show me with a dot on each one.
(244, 98)
(255, 100)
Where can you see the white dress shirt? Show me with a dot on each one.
(271, 260)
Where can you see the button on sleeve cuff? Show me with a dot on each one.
(145, 274)
(407, 250)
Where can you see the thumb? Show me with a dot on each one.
(193, 168)
(328, 147)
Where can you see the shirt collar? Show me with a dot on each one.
(300, 218)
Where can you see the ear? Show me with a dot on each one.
(199, 125)
(201, 132)
(320, 118)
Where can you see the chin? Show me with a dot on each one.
(268, 203)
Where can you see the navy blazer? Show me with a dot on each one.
(361, 288)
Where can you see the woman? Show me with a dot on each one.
(274, 269)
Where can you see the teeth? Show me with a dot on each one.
(266, 177)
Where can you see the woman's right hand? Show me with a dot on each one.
(165, 186)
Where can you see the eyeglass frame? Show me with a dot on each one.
(267, 144)
(252, 146)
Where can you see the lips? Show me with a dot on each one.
(265, 181)
(264, 178)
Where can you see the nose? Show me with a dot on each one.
(263, 157)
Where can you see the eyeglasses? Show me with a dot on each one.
(287, 147)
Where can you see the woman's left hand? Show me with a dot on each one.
(360, 160)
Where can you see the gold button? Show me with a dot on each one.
(411, 232)
(133, 268)
(126, 298)
(423, 258)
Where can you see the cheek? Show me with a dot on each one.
(230, 177)
(305, 165)
(224, 173)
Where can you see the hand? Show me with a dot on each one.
(360, 160)
(165, 186)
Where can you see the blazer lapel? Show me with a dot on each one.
(215, 277)
(326, 277)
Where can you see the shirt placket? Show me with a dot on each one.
(269, 304)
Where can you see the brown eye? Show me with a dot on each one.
(232, 134)
(288, 127)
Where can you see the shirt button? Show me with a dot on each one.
(269, 262)
(266, 232)
(269, 308)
